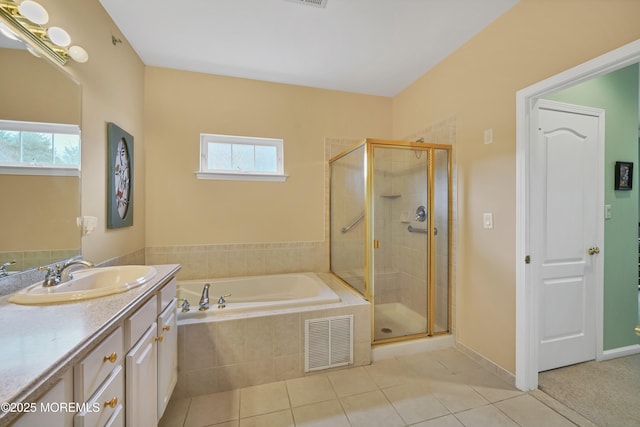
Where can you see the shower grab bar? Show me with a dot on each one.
(422, 230)
(417, 230)
(353, 224)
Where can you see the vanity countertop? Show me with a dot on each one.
(38, 343)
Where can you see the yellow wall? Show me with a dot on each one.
(179, 105)
(477, 84)
(112, 91)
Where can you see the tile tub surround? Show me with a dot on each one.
(248, 259)
(40, 343)
(244, 350)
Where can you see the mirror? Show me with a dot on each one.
(38, 214)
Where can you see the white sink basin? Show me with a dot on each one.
(89, 283)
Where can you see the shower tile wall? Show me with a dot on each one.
(443, 132)
(409, 250)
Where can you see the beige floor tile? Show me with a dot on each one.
(387, 373)
(425, 367)
(485, 416)
(351, 381)
(528, 411)
(371, 409)
(414, 402)
(488, 384)
(311, 389)
(457, 397)
(454, 360)
(323, 414)
(213, 409)
(176, 413)
(447, 421)
(262, 399)
(274, 419)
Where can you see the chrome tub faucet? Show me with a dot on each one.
(222, 303)
(204, 299)
(185, 307)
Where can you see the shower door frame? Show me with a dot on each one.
(369, 274)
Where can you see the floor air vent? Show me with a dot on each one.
(316, 3)
(328, 342)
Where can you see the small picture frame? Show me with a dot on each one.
(624, 175)
(119, 177)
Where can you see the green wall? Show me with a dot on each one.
(617, 94)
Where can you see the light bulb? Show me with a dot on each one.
(59, 36)
(78, 54)
(34, 12)
(7, 32)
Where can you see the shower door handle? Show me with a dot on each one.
(376, 244)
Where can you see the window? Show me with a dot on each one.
(245, 158)
(29, 148)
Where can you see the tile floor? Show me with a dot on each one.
(443, 388)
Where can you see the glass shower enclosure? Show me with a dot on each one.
(390, 219)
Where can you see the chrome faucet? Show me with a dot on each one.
(57, 274)
(204, 299)
(222, 303)
(185, 307)
(66, 275)
(3, 268)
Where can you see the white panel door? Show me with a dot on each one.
(565, 204)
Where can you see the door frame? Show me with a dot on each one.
(527, 303)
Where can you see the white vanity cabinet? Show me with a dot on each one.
(167, 354)
(99, 384)
(46, 410)
(123, 378)
(151, 362)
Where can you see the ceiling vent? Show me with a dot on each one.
(316, 3)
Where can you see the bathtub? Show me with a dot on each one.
(255, 294)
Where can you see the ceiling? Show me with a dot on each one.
(376, 47)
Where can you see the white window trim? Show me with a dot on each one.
(39, 169)
(233, 175)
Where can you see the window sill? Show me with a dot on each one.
(241, 176)
(49, 170)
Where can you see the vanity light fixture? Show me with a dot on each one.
(27, 18)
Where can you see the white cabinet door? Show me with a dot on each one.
(46, 411)
(142, 381)
(167, 355)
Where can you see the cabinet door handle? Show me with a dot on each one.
(112, 403)
(159, 339)
(167, 328)
(111, 358)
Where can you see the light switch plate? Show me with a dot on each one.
(487, 220)
(607, 211)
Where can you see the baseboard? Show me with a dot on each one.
(620, 352)
(487, 364)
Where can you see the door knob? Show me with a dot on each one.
(594, 250)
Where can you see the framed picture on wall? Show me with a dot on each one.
(119, 177)
(624, 175)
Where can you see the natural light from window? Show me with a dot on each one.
(32, 148)
(230, 157)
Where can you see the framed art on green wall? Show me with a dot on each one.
(624, 176)
(119, 177)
